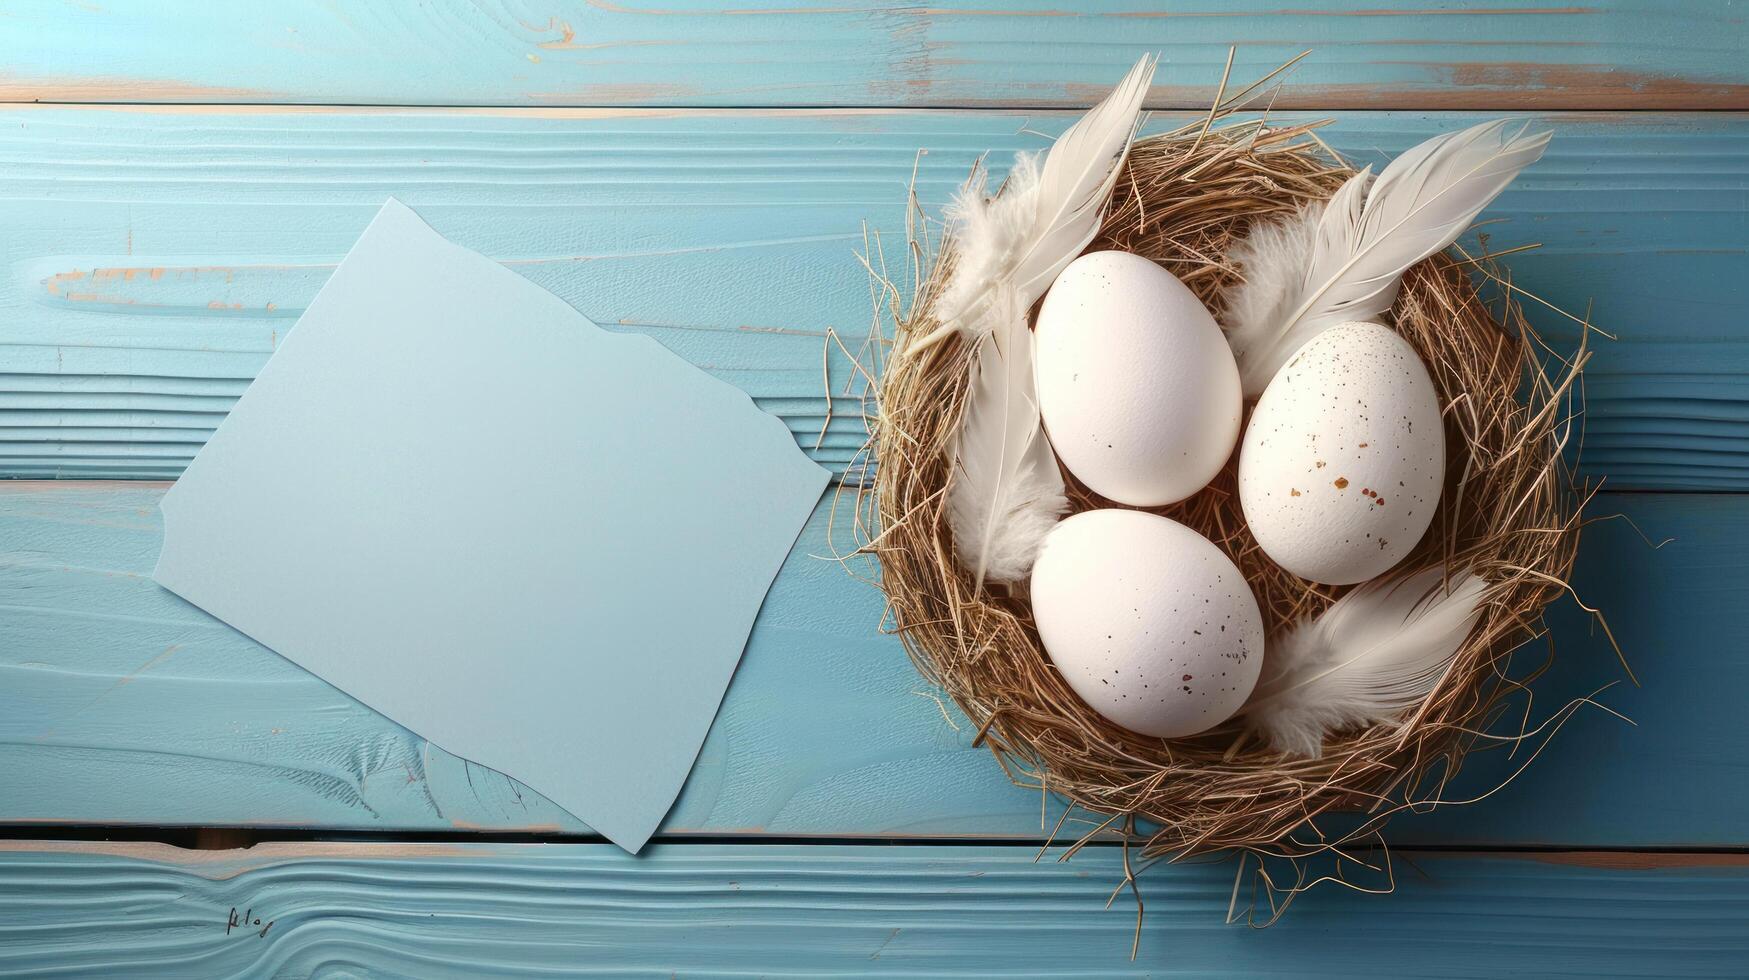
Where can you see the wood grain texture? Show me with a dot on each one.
(154, 254)
(122, 704)
(329, 910)
(1421, 54)
(153, 258)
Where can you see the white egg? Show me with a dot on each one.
(1344, 456)
(1136, 383)
(1148, 622)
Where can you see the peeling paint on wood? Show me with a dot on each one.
(19, 87)
(722, 910)
(1607, 54)
(156, 257)
(156, 250)
(853, 750)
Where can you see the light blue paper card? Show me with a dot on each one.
(535, 543)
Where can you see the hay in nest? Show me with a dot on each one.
(1509, 511)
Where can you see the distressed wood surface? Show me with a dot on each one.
(1423, 54)
(467, 910)
(153, 253)
(125, 705)
(153, 258)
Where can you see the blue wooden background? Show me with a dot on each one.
(177, 179)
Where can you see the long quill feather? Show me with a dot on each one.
(1362, 242)
(1006, 491)
(1047, 212)
(1369, 659)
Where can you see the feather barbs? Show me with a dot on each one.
(1006, 491)
(1357, 247)
(1047, 212)
(1369, 659)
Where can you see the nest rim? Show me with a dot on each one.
(1510, 511)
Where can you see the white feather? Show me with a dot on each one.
(1368, 660)
(1362, 242)
(1273, 259)
(1006, 492)
(1044, 216)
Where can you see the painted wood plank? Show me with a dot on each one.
(1603, 54)
(121, 704)
(153, 258)
(700, 910)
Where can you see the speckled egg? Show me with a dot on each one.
(1344, 456)
(1136, 383)
(1148, 622)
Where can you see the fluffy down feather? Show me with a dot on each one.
(1049, 209)
(1273, 259)
(1368, 660)
(1364, 240)
(1007, 491)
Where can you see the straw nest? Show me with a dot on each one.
(1509, 511)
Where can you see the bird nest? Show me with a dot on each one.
(1509, 511)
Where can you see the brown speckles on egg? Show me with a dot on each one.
(1359, 399)
(1135, 653)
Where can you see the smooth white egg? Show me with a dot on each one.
(1138, 388)
(1148, 622)
(1344, 456)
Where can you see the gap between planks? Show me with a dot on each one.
(183, 840)
(1736, 106)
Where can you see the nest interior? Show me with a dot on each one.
(1509, 511)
